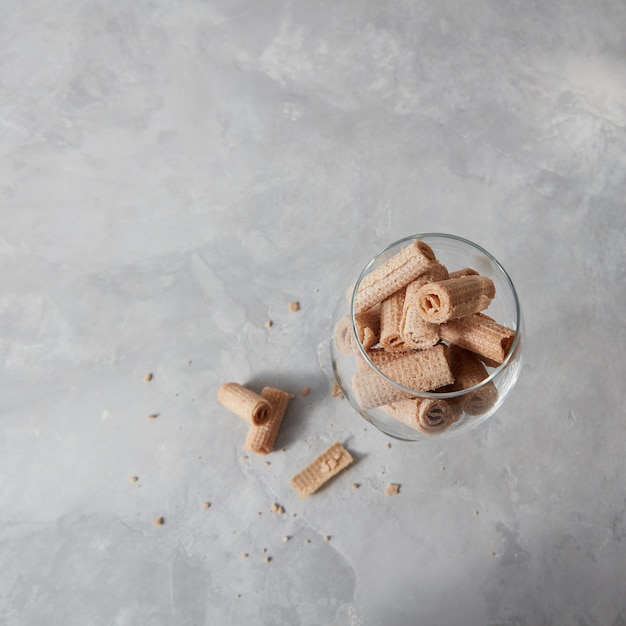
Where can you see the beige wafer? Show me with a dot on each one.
(428, 415)
(393, 274)
(245, 403)
(344, 337)
(368, 326)
(421, 370)
(481, 334)
(321, 470)
(261, 439)
(469, 371)
(390, 317)
(453, 298)
(372, 390)
(466, 271)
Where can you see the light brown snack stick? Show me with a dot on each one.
(372, 390)
(428, 415)
(453, 298)
(421, 370)
(468, 371)
(245, 403)
(321, 470)
(260, 439)
(390, 317)
(481, 334)
(343, 336)
(466, 271)
(368, 326)
(394, 274)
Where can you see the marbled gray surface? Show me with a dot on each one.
(172, 175)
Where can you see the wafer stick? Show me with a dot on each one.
(421, 370)
(394, 274)
(321, 470)
(344, 337)
(453, 298)
(372, 390)
(469, 371)
(428, 415)
(245, 403)
(466, 271)
(390, 317)
(368, 326)
(481, 334)
(261, 439)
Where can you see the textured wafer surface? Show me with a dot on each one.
(372, 390)
(453, 298)
(469, 371)
(428, 415)
(328, 464)
(245, 403)
(260, 439)
(391, 309)
(368, 326)
(395, 273)
(343, 336)
(481, 334)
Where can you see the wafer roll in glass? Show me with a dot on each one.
(390, 318)
(245, 403)
(394, 274)
(481, 334)
(453, 298)
(469, 371)
(260, 439)
(428, 415)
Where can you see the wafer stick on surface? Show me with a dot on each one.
(428, 415)
(453, 298)
(481, 334)
(394, 274)
(469, 371)
(321, 470)
(390, 318)
(245, 403)
(261, 439)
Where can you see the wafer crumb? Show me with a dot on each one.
(134, 479)
(327, 538)
(294, 306)
(392, 489)
(159, 521)
(245, 555)
(277, 508)
(286, 538)
(307, 541)
(306, 391)
(335, 391)
(148, 377)
(207, 505)
(153, 416)
(238, 595)
(389, 445)
(269, 324)
(267, 559)
(356, 485)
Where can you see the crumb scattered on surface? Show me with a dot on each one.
(148, 377)
(277, 508)
(294, 306)
(269, 324)
(306, 391)
(476, 512)
(356, 485)
(286, 538)
(389, 445)
(327, 538)
(238, 595)
(245, 457)
(307, 541)
(207, 505)
(259, 513)
(267, 559)
(245, 555)
(392, 489)
(267, 462)
(153, 416)
(134, 479)
(264, 550)
(159, 521)
(494, 554)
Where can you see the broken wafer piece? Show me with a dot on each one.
(321, 470)
(367, 326)
(453, 298)
(245, 403)
(481, 334)
(428, 415)
(393, 274)
(469, 371)
(260, 439)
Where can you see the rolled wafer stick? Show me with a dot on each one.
(394, 274)
(260, 439)
(481, 334)
(469, 371)
(321, 470)
(466, 271)
(390, 317)
(421, 370)
(428, 415)
(245, 403)
(372, 390)
(368, 326)
(380, 357)
(344, 337)
(453, 298)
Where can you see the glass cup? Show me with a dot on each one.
(455, 409)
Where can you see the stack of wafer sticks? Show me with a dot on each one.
(424, 328)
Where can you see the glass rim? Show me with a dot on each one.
(438, 394)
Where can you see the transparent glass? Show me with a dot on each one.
(455, 253)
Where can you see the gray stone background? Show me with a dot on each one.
(172, 175)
